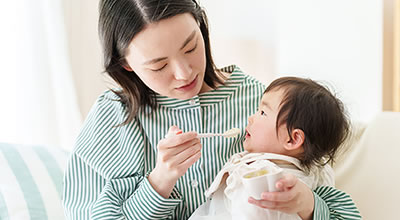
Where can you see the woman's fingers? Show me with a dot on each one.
(175, 140)
(268, 204)
(177, 146)
(294, 197)
(278, 196)
(189, 151)
(287, 207)
(284, 186)
(193, 157)
(173, 130)
(178, 151)
(286, 183)
(283, 196)
(181, 153)
(168, 151)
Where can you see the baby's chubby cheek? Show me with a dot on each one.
(246, 145)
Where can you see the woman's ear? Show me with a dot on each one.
(127, 67)
(297, 140)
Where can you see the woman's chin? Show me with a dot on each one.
(187, 95)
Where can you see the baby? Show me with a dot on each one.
(298, 129)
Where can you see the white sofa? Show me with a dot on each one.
(368, 169)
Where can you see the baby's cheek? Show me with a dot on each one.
(245, 144)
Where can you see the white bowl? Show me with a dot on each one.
(261, 180)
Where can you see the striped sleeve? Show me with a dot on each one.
(81, 187)
(153, 205)
(105, 175)
(331, 203)
(119, 196)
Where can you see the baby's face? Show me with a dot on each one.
(261, 134)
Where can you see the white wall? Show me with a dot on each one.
(337, 42)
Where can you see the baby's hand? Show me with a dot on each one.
(293, 197)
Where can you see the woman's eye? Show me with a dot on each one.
(159, 69)
(191, 50)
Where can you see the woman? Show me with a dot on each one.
(123, 166)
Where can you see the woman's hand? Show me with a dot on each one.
(176, 153)
(293, 197)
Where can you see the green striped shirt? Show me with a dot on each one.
(106, 175)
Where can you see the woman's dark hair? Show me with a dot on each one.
(120, 21)
(311, 107)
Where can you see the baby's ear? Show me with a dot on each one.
(297, 140)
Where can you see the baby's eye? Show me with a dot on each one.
(263, 113)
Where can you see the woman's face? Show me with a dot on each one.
(169, 57)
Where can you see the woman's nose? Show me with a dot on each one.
(183, 70)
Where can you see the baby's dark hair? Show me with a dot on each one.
(311, 107)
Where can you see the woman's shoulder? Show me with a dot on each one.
(109, 100)
(234, 73)
(107, 107)
(109, 97)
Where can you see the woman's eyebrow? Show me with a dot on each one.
(188, 39)
(152, 61)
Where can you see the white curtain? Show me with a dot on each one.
(39, 104)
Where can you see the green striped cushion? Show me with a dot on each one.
(31, 182)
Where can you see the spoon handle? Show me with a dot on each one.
(205, 135)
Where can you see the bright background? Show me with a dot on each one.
(336, 42)
(51, 57)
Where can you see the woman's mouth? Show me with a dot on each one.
(189, 86)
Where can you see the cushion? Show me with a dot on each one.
(31, 182)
